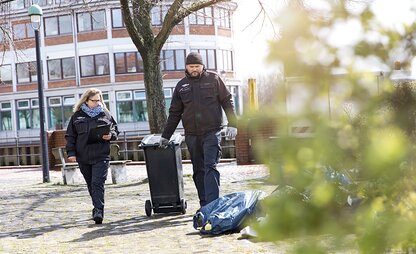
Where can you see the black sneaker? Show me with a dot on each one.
(92, 215)
(98, 216)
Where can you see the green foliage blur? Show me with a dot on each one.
(351, 184)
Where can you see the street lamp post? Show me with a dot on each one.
(35, 14)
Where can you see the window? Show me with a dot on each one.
(67, 108)
(106, 100)
(158, 14)
(51, 26)
(5, 116)
(23, 31)
(168, 98)
(202, 17)
(128, 62)
(124, 106)
(60, 111)
(58, 25)
(223, 17)
(117, 18)
(140, 106)
(17, 4)
(61, 68)
(5, 74)
(95, 65)
(101, 64)
(234, 92)
(172, 60)
(225, 60)
(208, 57)
(4, 33)
(169, 60)
(131, 62)
(164, 10)
(62, 2)
(120, 62)
(180, 59)
(132, 105)
(28, 114)
(91, 21)
(26, 72)
(43, 2)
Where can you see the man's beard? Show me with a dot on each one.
(195, 74)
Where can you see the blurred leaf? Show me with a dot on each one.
(364, 152)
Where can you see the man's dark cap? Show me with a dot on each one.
(194, 58)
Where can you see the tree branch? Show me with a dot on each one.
(265, 15)
(197, 5)
(176, 13)
(169, 22)
(130, 25)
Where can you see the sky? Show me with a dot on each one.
(251, 34)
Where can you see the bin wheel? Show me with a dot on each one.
(148, 208)
(184, 205)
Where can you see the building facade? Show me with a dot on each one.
(88, 46)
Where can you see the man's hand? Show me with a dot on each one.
(107, 136)
(72, 159)
(231, 133)
(163, 142)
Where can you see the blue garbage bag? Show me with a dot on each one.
(333, 175)
(227, 213)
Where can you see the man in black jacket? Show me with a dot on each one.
(198, 100)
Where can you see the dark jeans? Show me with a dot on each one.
(95, 176)
(205, 153)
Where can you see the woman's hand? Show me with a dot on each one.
(72, 159)
(107, 136)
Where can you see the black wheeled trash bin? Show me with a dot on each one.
(164, 171)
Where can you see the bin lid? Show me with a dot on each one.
(153, 139)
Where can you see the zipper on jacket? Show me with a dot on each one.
(195, 95)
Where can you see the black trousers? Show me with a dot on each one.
(205, 153)
(95, 176)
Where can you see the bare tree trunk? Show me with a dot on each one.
(154, 92)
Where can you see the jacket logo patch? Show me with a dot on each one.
(80, 117)
(185, 88)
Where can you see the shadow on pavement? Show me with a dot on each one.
(135, 225)
(20, 210)
(38, 231)
(17, 209)
(131, 184)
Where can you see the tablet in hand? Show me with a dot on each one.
(96, 134)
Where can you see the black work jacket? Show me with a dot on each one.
(198, 102)
(77, 143)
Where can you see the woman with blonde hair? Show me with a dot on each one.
(88, 137)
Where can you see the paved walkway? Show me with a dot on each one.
(38, 217)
